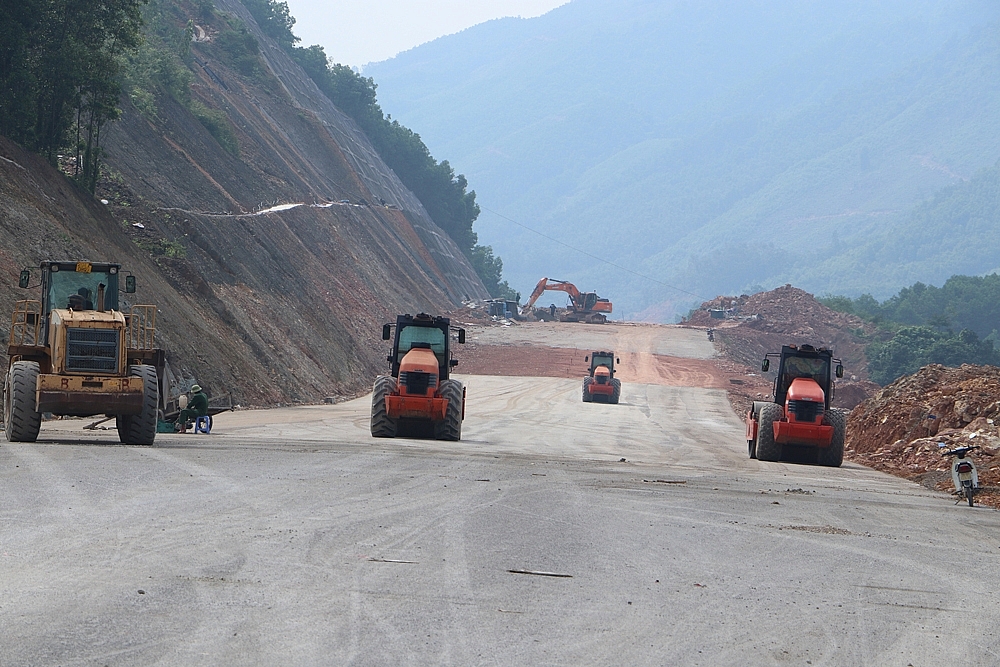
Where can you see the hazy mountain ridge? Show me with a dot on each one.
(698, 136)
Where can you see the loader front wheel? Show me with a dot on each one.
(767, 448)
(383, 426)
(451, 427)
(616, 392)
(140, 429)
(20, 418)
(587, 396)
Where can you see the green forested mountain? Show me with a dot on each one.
(953, 324)
(719, 146)
(955, 231)
(962, 302)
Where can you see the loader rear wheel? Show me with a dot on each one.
(20, 418)
(767, 448)
(833, 455)
(140, 429)
(616, 393)
(587, 396)
(383, 426)
(451, 427)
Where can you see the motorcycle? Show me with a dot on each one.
(711, 335)
(963, 472)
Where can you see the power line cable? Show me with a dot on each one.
(592, 256)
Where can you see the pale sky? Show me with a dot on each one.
(357, 32)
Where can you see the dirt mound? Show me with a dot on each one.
(850, 394)
(902, 428)
(934, 401)
(763, 322)
(748, 327)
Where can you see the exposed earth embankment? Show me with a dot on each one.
(907, 425)
(548, 349)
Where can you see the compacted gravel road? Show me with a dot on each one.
(554, 533)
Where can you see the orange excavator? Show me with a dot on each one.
(584, 306)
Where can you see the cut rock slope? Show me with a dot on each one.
(274, 307)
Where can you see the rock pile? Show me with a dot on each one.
(904, 427)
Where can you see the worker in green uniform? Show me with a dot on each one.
(197, 407)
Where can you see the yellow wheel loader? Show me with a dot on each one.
(74, 352)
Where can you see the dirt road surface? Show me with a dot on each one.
(290, 536)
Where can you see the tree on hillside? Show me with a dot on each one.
(966, 302)
(60, 69)
(275, 19)
(161, 66)
(913, 347)
(17, 76)
(490, 270)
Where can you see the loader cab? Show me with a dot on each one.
(804, 361)
(422, 331)
(77, 285)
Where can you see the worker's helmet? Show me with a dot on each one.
(195, 388)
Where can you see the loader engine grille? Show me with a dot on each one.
(805, 411)
(92, 350)
(416, 382)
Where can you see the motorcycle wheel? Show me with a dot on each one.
(968, 494)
